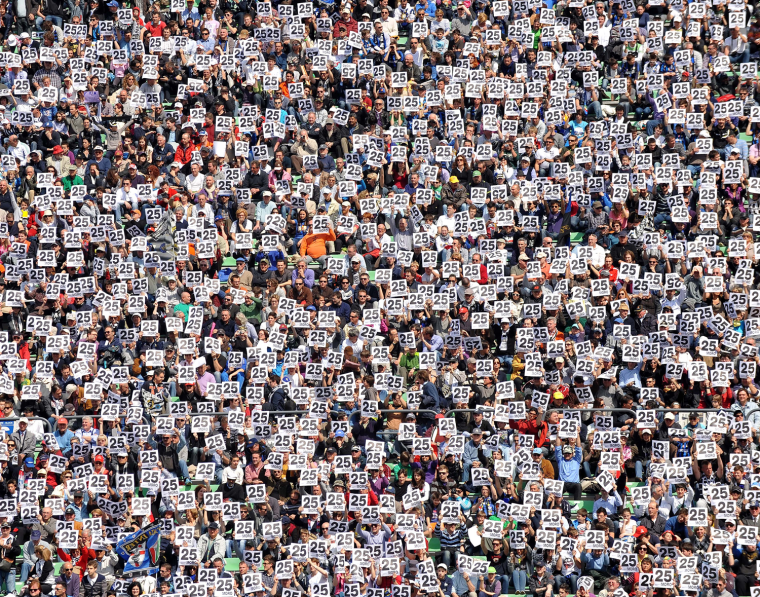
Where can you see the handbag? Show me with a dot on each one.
(6, 563)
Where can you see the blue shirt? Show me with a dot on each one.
(436, 344)
(193, 14)
(460, 584)
(104, 165)
(569, 469)
(741, 145)
(627, 375)
(64, 441)
(592, 562)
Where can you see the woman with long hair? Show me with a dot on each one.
(43, 569)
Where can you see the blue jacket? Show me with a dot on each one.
(678, 528)
(430, 400)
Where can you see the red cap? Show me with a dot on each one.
(99, 458)
(463, 310)
(57, 149)
(640, 531)
(63, 421)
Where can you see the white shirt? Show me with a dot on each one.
(195, 183)
(547, 154)
(20, 152)
(206, 209)
(130, 197)
(389, 26)
(735, 46)
(236, 475)
(445, 221)
(597, 259)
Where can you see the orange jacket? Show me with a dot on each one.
(314, 244)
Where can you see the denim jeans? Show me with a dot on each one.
(449, 558)
(504, 580)
(194, 454)
(651, 124)
(641, 113)
(8, 580)
(738, 58)
(570, 580)
(640, 467)
(57, 21)
(659, 218)
(466, 472)
(25, 569)
(519, 580)
(587, 470)
(595, 110)
(238, 545)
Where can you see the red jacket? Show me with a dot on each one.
(532, 428)
(184, 155)
(352, 25)
(85, 555)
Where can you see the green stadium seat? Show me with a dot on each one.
(576, 237)
(231, 564)
(434, 545)
(578, 504)
(371, 275)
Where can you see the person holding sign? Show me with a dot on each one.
(569, 458)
